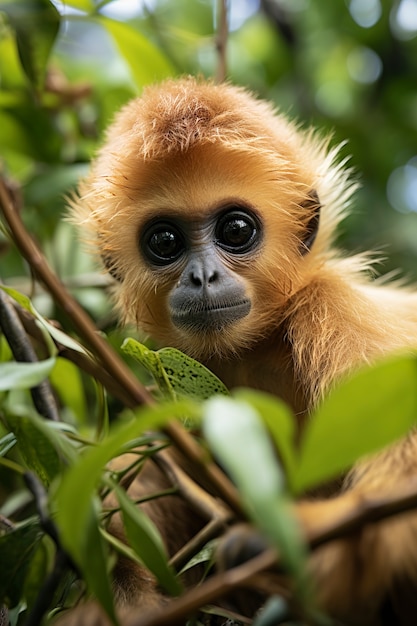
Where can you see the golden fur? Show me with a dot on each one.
(187, 146)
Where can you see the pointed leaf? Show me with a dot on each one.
(81, 480)
(280, 421)
(24, 375)
(34, 441)
(237, 436)
(175, 373)
(146, 62)
(369, 411)
(54, 332)
(205, 555)
(147, 543)
(17, 548)
(188, 377)
(151, 361)
(36, 24)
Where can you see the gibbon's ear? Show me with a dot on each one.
(313, 206)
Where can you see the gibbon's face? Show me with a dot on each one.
(203, 249)
(208, 296)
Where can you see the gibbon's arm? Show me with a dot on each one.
(370, 577)
(216, 216)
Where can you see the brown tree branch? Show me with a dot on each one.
(23, 352)
(201, 501)
(205, 504)
(212, 589)
(82, 322)
(80, 359)
(371, 510)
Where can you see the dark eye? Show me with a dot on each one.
(237, 231)
(162, 243)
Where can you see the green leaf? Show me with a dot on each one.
(175, 373)
(237, 436)
(93, 559)
(37, 572)
(146, 62)
(151, 361)
(53, 182)
(36, 444)
(280, 421)
(24, 375)
(205, 555)
(54, 332)
(6, 443)
(78, 485)
(188, 377)
(17, 548)
(274, 612)
(81, 5)
(147, 543)
(369, 411)
(66, 380)
(36, 24)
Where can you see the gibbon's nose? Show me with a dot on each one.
(203, 278)
(202, 272)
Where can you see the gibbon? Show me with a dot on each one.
(216, 217)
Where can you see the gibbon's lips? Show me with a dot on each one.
(206, 318)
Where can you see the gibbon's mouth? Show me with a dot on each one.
(204, 319)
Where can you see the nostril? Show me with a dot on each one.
(199, 280)
(202, 275)
(196, 279)
(213, 277)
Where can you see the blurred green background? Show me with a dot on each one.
(348, 67)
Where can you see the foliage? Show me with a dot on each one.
(65, 69)
(72, 467)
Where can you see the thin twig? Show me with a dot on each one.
(69, 305)
(41, 501)
(23, 352)
(202, 502)
(48, 590)
(213, 529)
(81, 359)
(220, 585)
(371, 510)
(221, 40)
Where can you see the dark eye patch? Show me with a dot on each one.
(162, 243)
(237, 231)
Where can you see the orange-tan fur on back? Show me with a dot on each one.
(188, 149)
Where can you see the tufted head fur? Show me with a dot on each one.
(185, 146)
